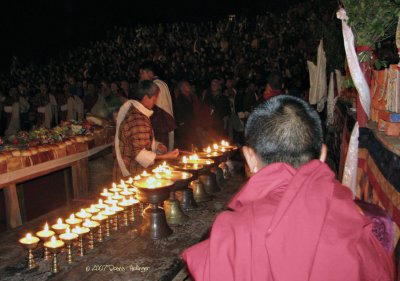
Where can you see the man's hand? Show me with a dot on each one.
(162, 149)
(169, 155)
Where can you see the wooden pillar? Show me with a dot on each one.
(13, 212)
(80, 174)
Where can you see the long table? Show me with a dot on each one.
(79, 168)
(125, 256)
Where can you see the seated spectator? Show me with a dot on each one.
(292, 220)
(274, 86)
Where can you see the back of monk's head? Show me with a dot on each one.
(285, 129)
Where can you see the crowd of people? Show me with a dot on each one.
(218, 66)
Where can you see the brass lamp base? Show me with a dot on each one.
(219, 176)
(209, 181)
(185, 196)
(173, 212)
(154, 225)
(199, 192)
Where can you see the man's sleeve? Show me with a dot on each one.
(138, 136)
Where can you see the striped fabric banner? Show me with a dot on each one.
(378, 176)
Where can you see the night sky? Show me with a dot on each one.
(40, 28)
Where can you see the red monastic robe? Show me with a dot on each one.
(291, 225)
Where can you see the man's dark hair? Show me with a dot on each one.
(274, 80)
(146, 88)
(285, 129)
(151, 66)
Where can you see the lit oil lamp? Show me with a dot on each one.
(110, 201)
(45, 236)
(73, 221)
(54, 246)
(60, 227)
(126, 192)
(133, 188)
(92, 225)
(82, 214)
(127, 205)
(121, 185)
(106, 193)
(92, 210)
(215, 147)
(129, 181)
(29, 243)
(118, 197)
(100, 205)
(114, 188)
(81, 231)
(154, 191)
(68, 237)
(115, 208)
(108, 213)
(100, 219)
(194, 159)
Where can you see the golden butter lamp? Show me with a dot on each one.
(30, 243)
(108, 213)
(54, 246)
(73, 221)
(100, 218)
(68, 237)
(45, 235)
(81, 231)
(60, 227)
(82, 214)
(153, 191)
(92, 226)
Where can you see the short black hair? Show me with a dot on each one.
(285, 129)
(149, 65)
(146, 88)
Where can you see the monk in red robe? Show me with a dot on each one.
(293, 220)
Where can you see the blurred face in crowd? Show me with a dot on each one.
(43, 88)
(229, 83)
(125, 86)
(185, 89)
(114, 87)
(215, 86)
(71, 80)
(21, 89)
(145, 74)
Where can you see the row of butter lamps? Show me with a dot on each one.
(87, 222)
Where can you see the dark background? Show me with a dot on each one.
(37, 29)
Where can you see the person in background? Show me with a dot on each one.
(185, 116)
(148, 71)
(274, 86)
(45, 110)
(292, 220)
(12, 109)
(25, 106)
(135, 145)
(219, 108)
